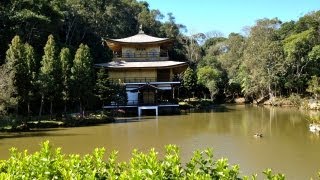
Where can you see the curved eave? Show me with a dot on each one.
(116, 45)
(181, 66)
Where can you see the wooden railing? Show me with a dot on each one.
(141, 80)
(141, 55)
(138, 103)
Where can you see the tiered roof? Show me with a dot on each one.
(138, 39)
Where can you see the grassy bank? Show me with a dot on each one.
(16, 124)
(196, 103)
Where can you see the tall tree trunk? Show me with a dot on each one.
(65, 108)
(204, 95)
(17, 113)
(81, 114)
(28, 107)
(41, 106)
(51, 110)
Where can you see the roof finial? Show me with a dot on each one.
(140, 29)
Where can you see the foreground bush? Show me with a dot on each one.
(50, 163)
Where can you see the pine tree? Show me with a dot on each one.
(8, 92)
(66, 64)
(82, 76)
(119, 93)
(31, 75)
(103, 89)
(49, 72)
(16, 67)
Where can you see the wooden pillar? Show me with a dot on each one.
(173, 88)
(157, 111)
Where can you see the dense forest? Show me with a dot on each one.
(48, 49)
(270, 59)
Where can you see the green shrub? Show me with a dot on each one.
(50, 163)
(295, 99)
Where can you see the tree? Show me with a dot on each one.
(308, 21)
(314, 57)
(314, 86)
(48, 81)
(109, 92)
(16, 67)
(66, 64)
(262, 59)
(231, 61)
(297, 48)
(173, 30)
(119, 95)
(209, 77)
(8, 90)
(150, 20)
(213, 89)
(33, 20)
(31, 75)
(193, 48)
(82, 76)
(103, 89)
(190, 80)
(286, 29)
(214, 46)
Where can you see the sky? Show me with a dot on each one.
(226, 16)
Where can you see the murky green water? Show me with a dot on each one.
(287, 145)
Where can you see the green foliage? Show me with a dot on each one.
(119, 93)
(212, 42)
(19, 58)
(262, 59)
(295, 99)
(49, 163)
(7, 90)
(50, 74)
(308, 21)
(268, 173)
(32, 66)
(189, 79)
(213, 88)
(314, 86)
(209, 77)
(286, 29)
(314, 54)
(274, 58)
(298, 45)
(82, 75)
(206, 74)
(103, 87)
(66, 64)
(49, 68)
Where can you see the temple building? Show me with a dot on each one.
(142, 63)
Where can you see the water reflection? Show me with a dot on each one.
(286, 146)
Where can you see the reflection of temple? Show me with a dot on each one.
(142, 63)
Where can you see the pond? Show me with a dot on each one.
(287, 145)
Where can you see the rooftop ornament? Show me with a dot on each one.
(140, 29)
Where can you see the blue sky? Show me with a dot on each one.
(229, 16)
